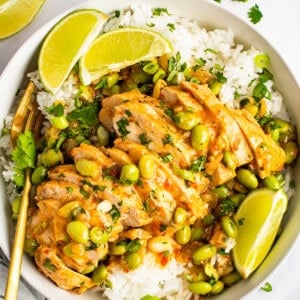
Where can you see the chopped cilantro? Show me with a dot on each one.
(84, 193)
(144, 138)
(227, 206)
(260, 91)
(211, 50)
(171, 26)
(254, 14)
(114, 213)
(48, 264)
(220, 77)
(101, 84)
(200, 62)
(198, 164)
(122, 124)
(87, 114)
(167, 157)
(117, 13)
(56, 110)
(150, 24)
(159, 10)
(168, 140)
(241, 221)
(219, 1)
(267, 287)
(265, 75)
(69, 189)
(128, 112)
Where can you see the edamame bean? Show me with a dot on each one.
(147, 166)
(118, 248)
(205, 252)
(112, 80)
(129, 174)
(237, 199)
(183, 235)
(222, 192)
(98, 235)
(197, 233)
(209, 219)
(87, 168)
(200, 287)
(199, 137)
(180, 215)
(78, 231)
(229, 160)
(186, 120)
(231, 278)
(60, 122)
(291, 151)
(30, 245)
(229, 226)
(272, 182)
(280, 177)
(16, 205)
(100, 274)
(151, 68)
(284, 126)
(133, 260)
(217, 288)
(185, 174)
(210, 271)
(216, 87)
(38, 175)
(247, 178)
(102, 136)
(51, 158)
(67, 250)
(134, 246)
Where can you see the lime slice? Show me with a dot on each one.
(66, 43)
(258, 218)
(15, 15)
(120, 48)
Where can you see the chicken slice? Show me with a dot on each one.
(54, 268)
(229, 127)
(67, 173)
(269, 156)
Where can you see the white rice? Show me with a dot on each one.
(192, 42)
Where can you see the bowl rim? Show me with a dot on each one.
(40, 34)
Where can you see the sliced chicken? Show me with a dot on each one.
(66, 173)
(230, 130)
(53, 267)
(269, 156)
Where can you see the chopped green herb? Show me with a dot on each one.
(114, 213)
(84, 193)
(211, 50)
(87, 114)
(117, 13)
(150, 24)
(128, 112)
(168, 140)
(101, 84)
(69, 190)
(265, 75)
(260, 91)
(254, 14)
(220, 77)
(48, 264)
(144, 138)
(122, 124)
(162, 227)
(219, 1)
(227, 206)
(200, 62)
(158, 11)
(198, 164)
(95, 187)
(171, 26)
(267, 287)
(134, 246)
(56, 110)
(241, 221)
(167, 157)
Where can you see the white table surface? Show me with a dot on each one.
(280, 26)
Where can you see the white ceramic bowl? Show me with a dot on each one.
(210, 15)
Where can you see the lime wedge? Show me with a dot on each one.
(15, 15)
(258, 218)
(66, 43)
(120, 48)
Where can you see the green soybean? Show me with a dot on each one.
(30, 245)
(78, 231)
(231, 278)
(180, 215)
(98, 235)
(229, 226)
(129, 174)
(16, 205)
(51, 158)
(147, 166)
(100, 274)
(200, 287)
(38, 175)
(215, 87)
(291, 151)
(102, 136)
(199, 137)
(221, 191)
(197, 233)
(133, 260)
(229, 160)
(247, 178)
(205, 252)
(186, 120)
(112, 80)
(272, 182)
(60, 122)
(67, 250)
(87, 167)
(237, 199)
(183, 235)
(119, 248)
(217, 288)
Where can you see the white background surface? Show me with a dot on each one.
(280, 26)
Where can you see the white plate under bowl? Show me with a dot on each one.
(208, 14)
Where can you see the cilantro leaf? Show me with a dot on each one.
(87, 114)
(254, 14)
(267, 287)
(56, 110)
